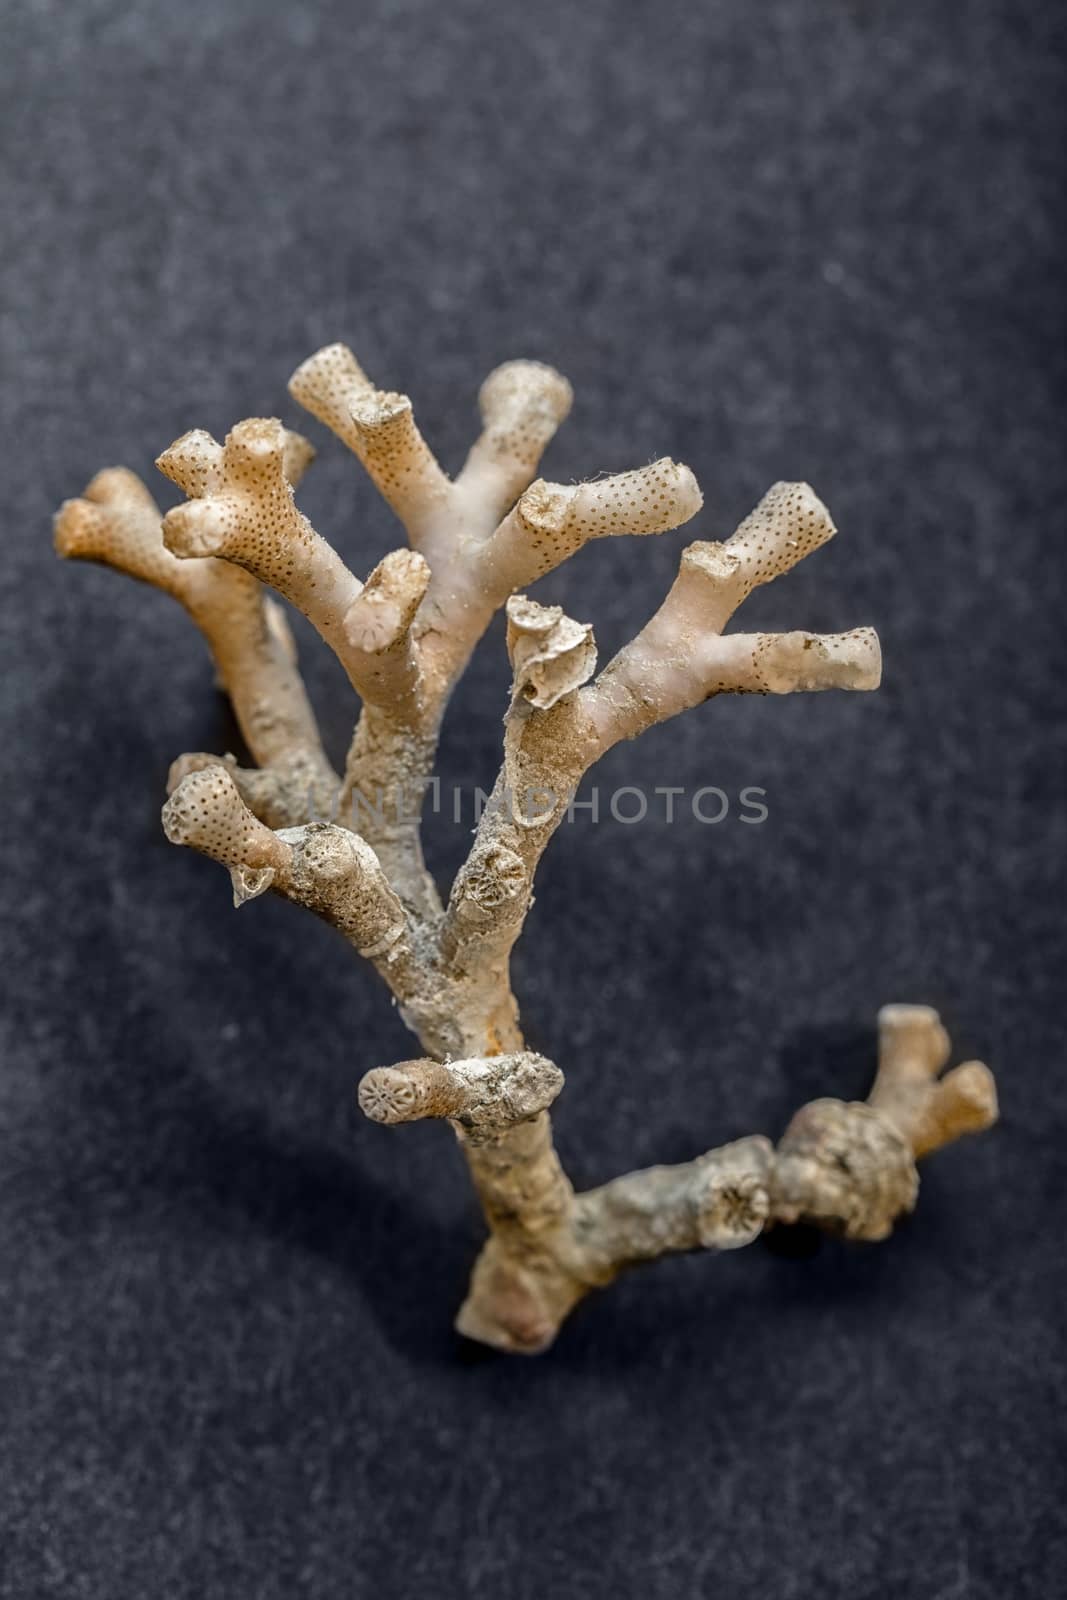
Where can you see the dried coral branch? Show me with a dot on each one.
(928, 1110)
(543, 1257)
(557, 729)
(118, 523)
(241, 509)
(474, 564)
(522, 404)
(483, 1095)
(552, 521)
(378, 627)
(379, 427)
(403, 638)
(392, 749)
(846, 1168)
(681, 658)
(327, 869)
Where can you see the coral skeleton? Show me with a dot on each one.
(403, 637)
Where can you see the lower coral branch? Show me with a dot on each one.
(848, 1168)
(549, 1247)
(291, 792)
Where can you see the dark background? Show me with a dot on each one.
(782, 240)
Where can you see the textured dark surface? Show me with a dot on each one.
(782, 240)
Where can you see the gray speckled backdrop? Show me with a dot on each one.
(814, 240)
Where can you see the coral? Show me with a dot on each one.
(403, 638)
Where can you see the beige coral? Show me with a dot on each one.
(403, 637)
